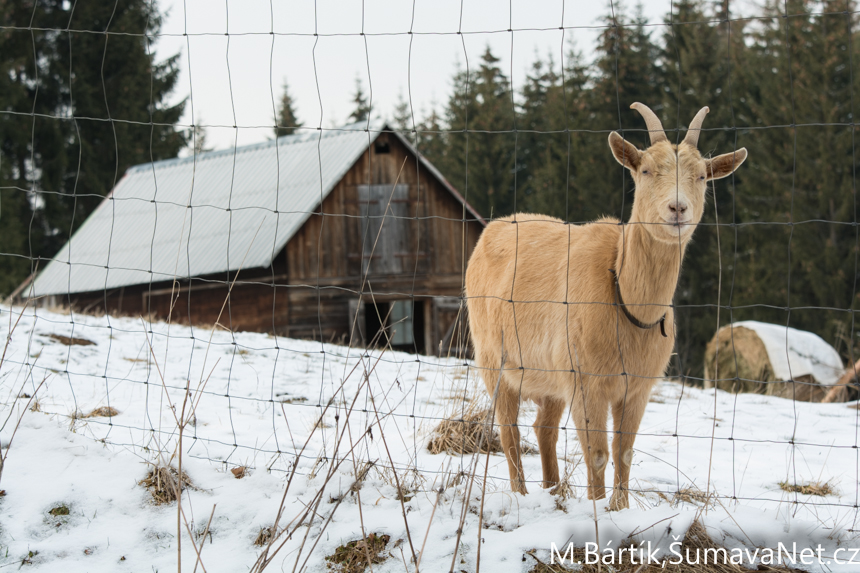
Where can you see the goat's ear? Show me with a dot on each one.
(724, 165)
(625, 152)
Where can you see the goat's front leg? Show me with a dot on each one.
(626, 416)
(590, 418)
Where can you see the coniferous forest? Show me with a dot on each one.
(778, 241)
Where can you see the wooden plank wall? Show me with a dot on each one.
(319, 270)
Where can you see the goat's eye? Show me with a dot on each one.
(701, 177)
(646, 172)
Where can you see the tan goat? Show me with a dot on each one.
(582, 315)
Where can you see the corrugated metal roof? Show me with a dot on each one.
(232, 208)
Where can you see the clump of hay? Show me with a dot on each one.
(265, 535)
(164, 484)
(691, 495)
(71, 341)
(103, 412)
(813, 488)
(352, 557)
(469, 433)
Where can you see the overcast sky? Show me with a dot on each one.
(232, 65)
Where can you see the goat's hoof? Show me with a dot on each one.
(618, 502)
(519, 486)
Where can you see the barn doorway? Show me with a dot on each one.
(396, 322)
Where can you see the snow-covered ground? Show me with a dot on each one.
(260, 402)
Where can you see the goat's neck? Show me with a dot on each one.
(647, 271)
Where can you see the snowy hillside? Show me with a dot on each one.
(258, 401)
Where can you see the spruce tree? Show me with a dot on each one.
(802, 190)
(116, 81)
(626, 70)
(286, 120)
(16, 181)
(549, 143)
(431, 139)
(197, 138)
(402, 117)
(361, 103)
(482, 142)
(100, 101)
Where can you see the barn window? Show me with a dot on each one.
(382, 147)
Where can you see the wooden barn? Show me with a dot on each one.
(345, 235)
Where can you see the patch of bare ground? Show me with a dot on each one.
(355, 556)
(70, 340)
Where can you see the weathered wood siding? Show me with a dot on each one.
(308, 292)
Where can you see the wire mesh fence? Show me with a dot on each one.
(360, 345)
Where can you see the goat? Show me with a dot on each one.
(549, 322)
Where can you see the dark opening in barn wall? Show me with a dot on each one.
(399, 323)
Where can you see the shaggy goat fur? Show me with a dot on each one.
(543, 306)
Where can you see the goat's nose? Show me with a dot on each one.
(678, 207)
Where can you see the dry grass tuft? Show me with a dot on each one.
(466, 434)
(352, 557)
(564, 489)
(103, 412)
(264, 536)
(691, 495)
(696, 539)
(71, 341)
(813, 488)
(163, 483)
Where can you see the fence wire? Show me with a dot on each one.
(375, 369)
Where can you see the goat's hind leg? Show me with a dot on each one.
(507, 410)
(549, 415)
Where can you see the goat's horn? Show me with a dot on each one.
(655, 128)
(696, 127)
